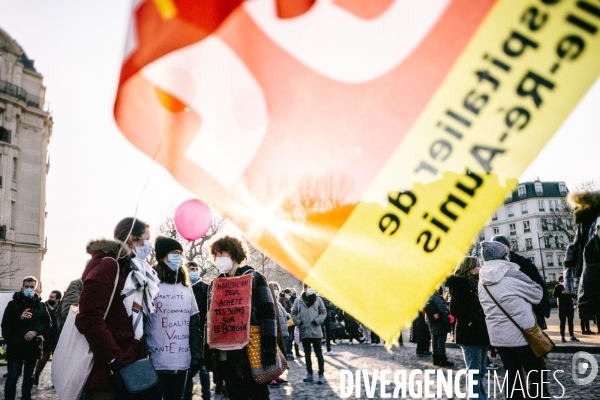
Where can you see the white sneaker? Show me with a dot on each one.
(331, 353)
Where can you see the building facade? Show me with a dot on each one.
(25, 130)
(539, 224)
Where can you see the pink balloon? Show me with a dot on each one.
(193, 219)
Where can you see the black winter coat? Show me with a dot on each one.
(541, 310)
(470, 326)
(14, 328)
(565, 301)
(51, 337)
(201, 294)
(437, 306)
(420, 331)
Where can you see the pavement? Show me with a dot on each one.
(370, 358)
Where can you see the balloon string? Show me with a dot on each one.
(137, 205)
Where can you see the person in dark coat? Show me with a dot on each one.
(541, 310)
(112, 340)
(51, 338)
(201, 294)
(419, 334)
(24, 323)
(293, 297)
(233, 365)
(438, 319)
(565, 309)
(470, 331)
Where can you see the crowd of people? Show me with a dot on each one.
(126, 309)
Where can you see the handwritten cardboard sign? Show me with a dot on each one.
(229, 313)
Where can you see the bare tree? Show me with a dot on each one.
(9, 268)
(269, 268)
(195, 250)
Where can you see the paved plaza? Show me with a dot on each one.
(366, 357)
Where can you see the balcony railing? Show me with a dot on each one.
(20, 93)
(4, 135)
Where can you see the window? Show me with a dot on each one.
(521, 191)
(509, 211)
(552, 277)
(514, 245)
(512, 229)
(560, 257)
(496, 230)
(557, 241)
(544, 224)
(556, 205)
(550, 259)
(550, 205)
(562, 188)
(481, 235)
(541, 205)
(495, 216)
(12, 215)
(547, 242)
(523, 208)
(538, 189)
(14, 177)
(528, 244)
(526, 227)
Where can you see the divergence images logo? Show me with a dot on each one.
(590, 365)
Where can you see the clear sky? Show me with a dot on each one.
(96, 176)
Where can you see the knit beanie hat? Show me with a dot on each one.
(164, 245)
(493, 250)
(502, 239)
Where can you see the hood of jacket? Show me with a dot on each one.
(110, 246)
(459, 283)
(586, 205)
(493, 271)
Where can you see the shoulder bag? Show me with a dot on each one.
(73, 360)
(537, 339)
(259, 373)
(134, 378)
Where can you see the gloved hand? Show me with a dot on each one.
(315, 323)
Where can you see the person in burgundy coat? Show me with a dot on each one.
(112, 340)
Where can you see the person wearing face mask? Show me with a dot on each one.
(200, 290)
(173, 332)
(233, 365)
(117, 340)
(541, 310)
(286, 303)
(24, 323)
(309, 313)
(51, 338)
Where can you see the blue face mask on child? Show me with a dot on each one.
(194, 276)
(174, 261)
(29, 292)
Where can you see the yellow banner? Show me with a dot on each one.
(521, 75)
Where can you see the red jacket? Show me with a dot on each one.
(113, 338)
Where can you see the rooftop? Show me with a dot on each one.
(549, 189)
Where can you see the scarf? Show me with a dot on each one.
(139, 291)
(309, 300)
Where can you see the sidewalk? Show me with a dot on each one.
(588, 343)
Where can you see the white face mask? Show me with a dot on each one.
(287, 296)
(144, 251)
(224, 264)
(276, 293)
(310, 291)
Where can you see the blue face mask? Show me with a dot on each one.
(144, 251)
(194, 276)
(174, 261)
(29, 292)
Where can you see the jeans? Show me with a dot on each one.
(316, 344)
(516, 359)
(476, 358)
(289, 340)
(438, 344)
(170, 386)
(327, 325)
(14, 368)
(204, 383)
